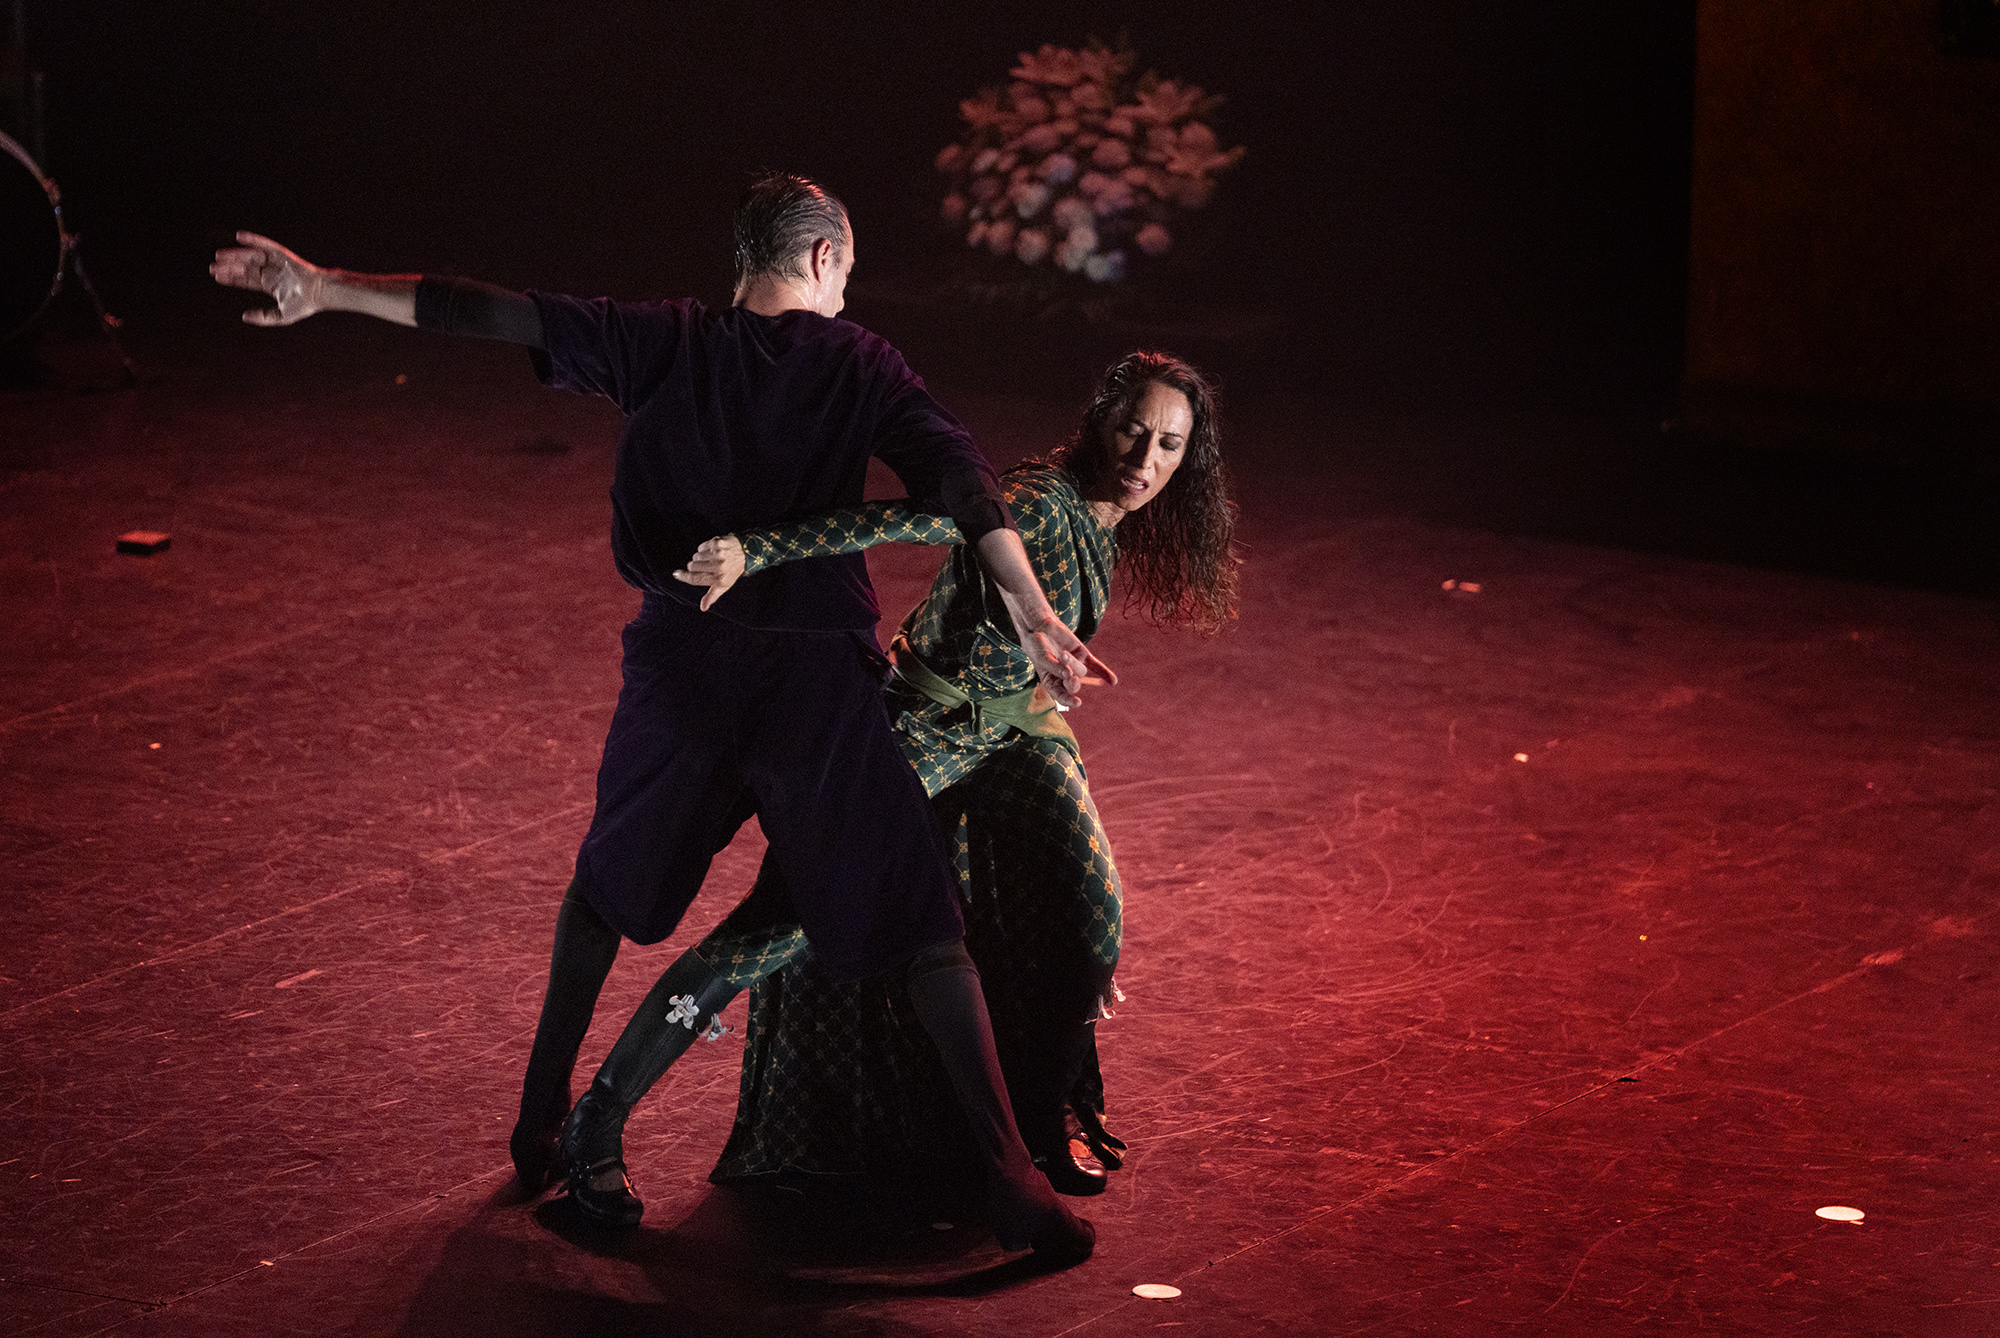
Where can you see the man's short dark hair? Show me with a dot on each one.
(779, 221)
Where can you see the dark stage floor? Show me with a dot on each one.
(1533, 961)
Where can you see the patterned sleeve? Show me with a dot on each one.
(1045, 524)
(848, 530)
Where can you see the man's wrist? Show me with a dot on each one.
(331, 290)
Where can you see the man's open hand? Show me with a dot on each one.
(263, 266)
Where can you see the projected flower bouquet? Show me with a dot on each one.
(1077, 173)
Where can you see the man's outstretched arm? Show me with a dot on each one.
(301, 289)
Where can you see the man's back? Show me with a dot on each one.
(737, 420)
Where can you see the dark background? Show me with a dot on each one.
(1472, 219)
(1441, 199)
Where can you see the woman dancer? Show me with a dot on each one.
(827, 1072)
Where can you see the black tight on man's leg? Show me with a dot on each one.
(585, 947)
(945, 992)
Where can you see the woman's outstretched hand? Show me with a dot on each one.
(263, 266)
(717, 564)
(1063, 664)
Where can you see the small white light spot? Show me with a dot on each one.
(1156, 1291)
(1520, 757)
(154, 746)
(1839, 1214)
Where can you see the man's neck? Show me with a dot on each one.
(773, 297)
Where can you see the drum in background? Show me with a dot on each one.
(31, 239)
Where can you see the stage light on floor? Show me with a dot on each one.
(1836, 1213)
(1156, 1291)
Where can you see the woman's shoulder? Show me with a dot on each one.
(1040, 488)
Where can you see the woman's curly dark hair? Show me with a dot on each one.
(1175, 551)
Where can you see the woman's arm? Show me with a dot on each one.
(848, 530)
(721, 562)
(1060, 659)
(1062, 662)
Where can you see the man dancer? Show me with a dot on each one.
(771, 705)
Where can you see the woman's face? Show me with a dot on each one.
(1142, 450)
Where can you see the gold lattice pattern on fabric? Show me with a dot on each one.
(960, 637)
(849, 530)
(954, 630)
(745, 956)
(840, 1078)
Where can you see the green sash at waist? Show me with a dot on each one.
(1031, 710)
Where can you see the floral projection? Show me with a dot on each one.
(1078, 167)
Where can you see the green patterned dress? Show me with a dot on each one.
(841, 1079)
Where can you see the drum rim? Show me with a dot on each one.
(13, 146)
(48, 185)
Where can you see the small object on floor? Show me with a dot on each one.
(1839, 1214)
(144, 543)
(1156, 1291)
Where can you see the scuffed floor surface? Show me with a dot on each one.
(1528, 961)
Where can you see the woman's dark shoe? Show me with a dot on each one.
(1056, 1156)
(1068, 1176)
(667, 1021)
(592, 1148)
(1089, 1127)
(614, 1205)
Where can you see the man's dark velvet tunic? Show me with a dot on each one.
(769, 704)
(735, 420)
